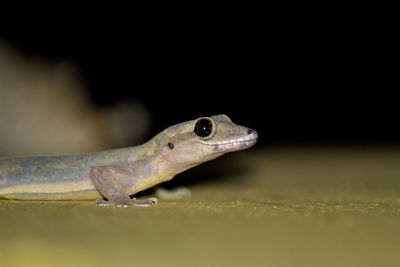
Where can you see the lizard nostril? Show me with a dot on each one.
(252, 133)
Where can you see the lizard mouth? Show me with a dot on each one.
(234, 144)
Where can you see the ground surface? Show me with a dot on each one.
(295, 206)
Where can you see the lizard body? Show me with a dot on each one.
(117, 174)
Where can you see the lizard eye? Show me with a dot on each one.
(203, 127)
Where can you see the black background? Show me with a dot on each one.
(294, 78)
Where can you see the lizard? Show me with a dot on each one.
(111, 177)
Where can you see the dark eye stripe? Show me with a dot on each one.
(203, 127)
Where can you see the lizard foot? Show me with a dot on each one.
(125, 202)
(144, 202)
(103, 203)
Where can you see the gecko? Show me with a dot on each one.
(112, 177)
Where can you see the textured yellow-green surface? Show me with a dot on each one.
(294, 206)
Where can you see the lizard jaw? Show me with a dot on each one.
(233, 144)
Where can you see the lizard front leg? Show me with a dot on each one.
(109, 181)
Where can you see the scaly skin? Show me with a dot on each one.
(117, 174)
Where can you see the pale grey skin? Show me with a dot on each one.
(113, 176)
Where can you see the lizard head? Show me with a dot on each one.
(193, 142)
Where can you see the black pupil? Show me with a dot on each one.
(203, 127)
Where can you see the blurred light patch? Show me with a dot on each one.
(45, 109)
